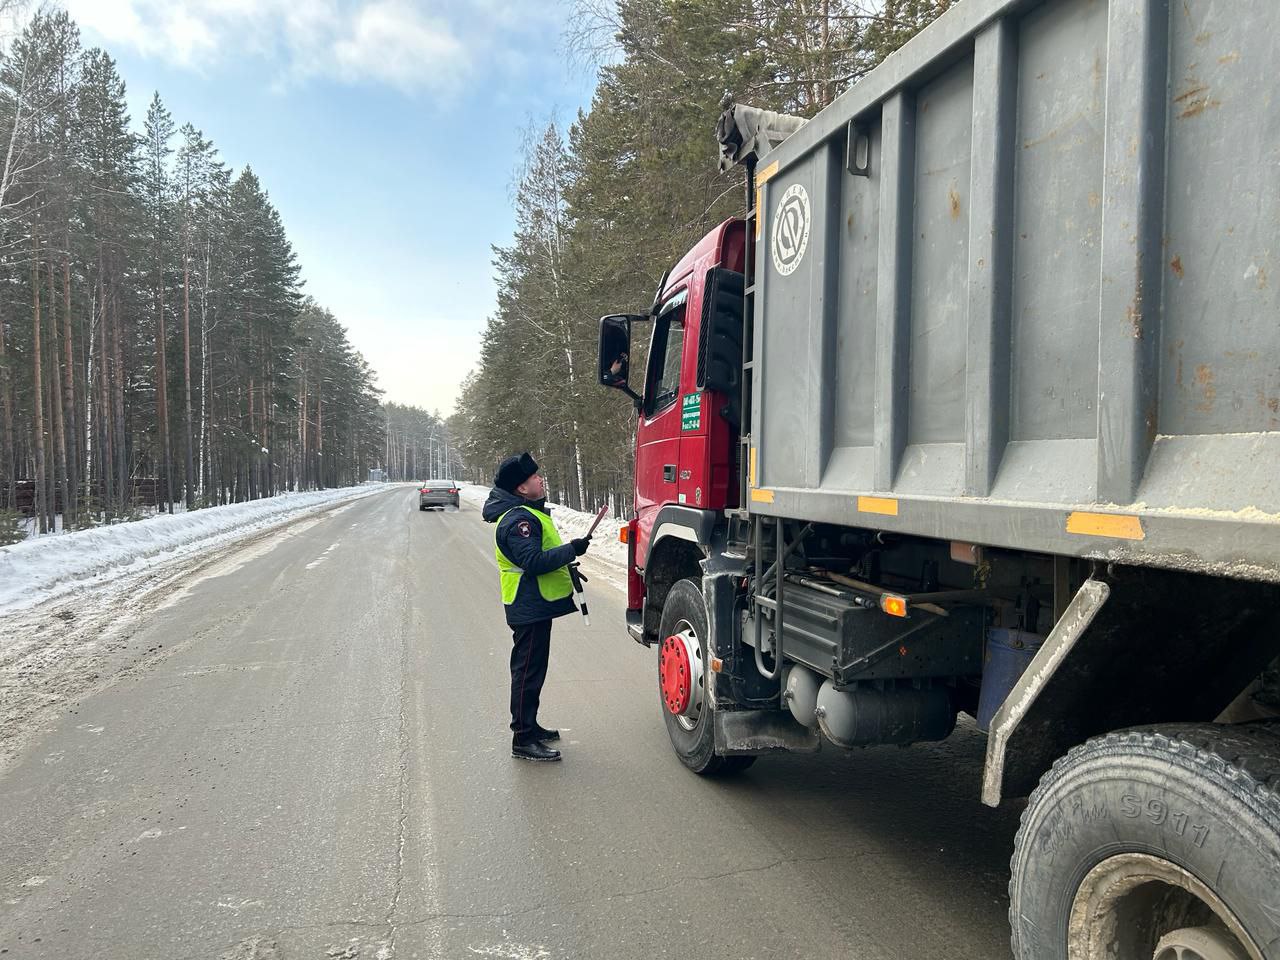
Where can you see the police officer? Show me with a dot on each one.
(536, 588)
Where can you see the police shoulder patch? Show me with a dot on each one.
(524, 529)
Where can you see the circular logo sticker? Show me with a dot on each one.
(790, 229)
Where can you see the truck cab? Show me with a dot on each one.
(687, 409)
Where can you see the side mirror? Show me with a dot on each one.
(720, 346)
(615, 352)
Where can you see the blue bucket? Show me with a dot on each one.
(1008, 654)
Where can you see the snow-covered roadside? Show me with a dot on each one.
(30, 526)
(605, 545)
(37, 570)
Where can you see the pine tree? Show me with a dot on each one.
(157, 187)
(194, 182)
(214, 230)
(109, 158)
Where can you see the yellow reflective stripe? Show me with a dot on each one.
(1117, 525)
(762, 496)
(767, 173)
(885, 506)
(761, 177)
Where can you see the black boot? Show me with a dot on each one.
(534, 751)
(545, 735)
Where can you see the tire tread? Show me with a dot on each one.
(1247, 757)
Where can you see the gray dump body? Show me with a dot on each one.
(1043, 310)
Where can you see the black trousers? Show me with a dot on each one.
(529, 652)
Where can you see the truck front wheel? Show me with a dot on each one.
(1158, 843)
(683, 682)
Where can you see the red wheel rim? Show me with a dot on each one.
(674, 674)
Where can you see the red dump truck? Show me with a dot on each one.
(977, 411)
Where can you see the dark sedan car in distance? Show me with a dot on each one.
(438, 493)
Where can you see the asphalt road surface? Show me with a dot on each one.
(303, 753)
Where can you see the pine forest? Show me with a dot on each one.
(607, 204)
(156, 345)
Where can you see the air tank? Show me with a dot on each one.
(800, 694)
(862, 716)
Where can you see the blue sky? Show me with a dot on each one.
(386, 134)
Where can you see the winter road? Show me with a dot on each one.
(303, 754)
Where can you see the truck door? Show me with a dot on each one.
(658, 433)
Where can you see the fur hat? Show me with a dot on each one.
(514, 471)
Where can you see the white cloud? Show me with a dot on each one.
(391, 42)
(189, 36)
(412, 45)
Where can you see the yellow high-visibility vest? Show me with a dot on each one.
(555, 585)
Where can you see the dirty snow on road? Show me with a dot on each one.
(45, 568)
(70, 603)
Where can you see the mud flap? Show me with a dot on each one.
(1077, 618)
(1136, 647)
(635, 627)
(746, 733)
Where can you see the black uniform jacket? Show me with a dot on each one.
(519, 537)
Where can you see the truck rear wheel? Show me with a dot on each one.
(683, 678)
(1158, 843)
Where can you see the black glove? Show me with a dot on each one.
(580, 545)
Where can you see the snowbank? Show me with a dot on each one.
(605, 545)
(36, 570)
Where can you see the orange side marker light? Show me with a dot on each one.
(893, 605)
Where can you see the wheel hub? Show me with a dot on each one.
(680, 674)
(1199, 943)
(1131, 900)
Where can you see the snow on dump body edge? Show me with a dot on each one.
(39, 569)
(605, 545)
